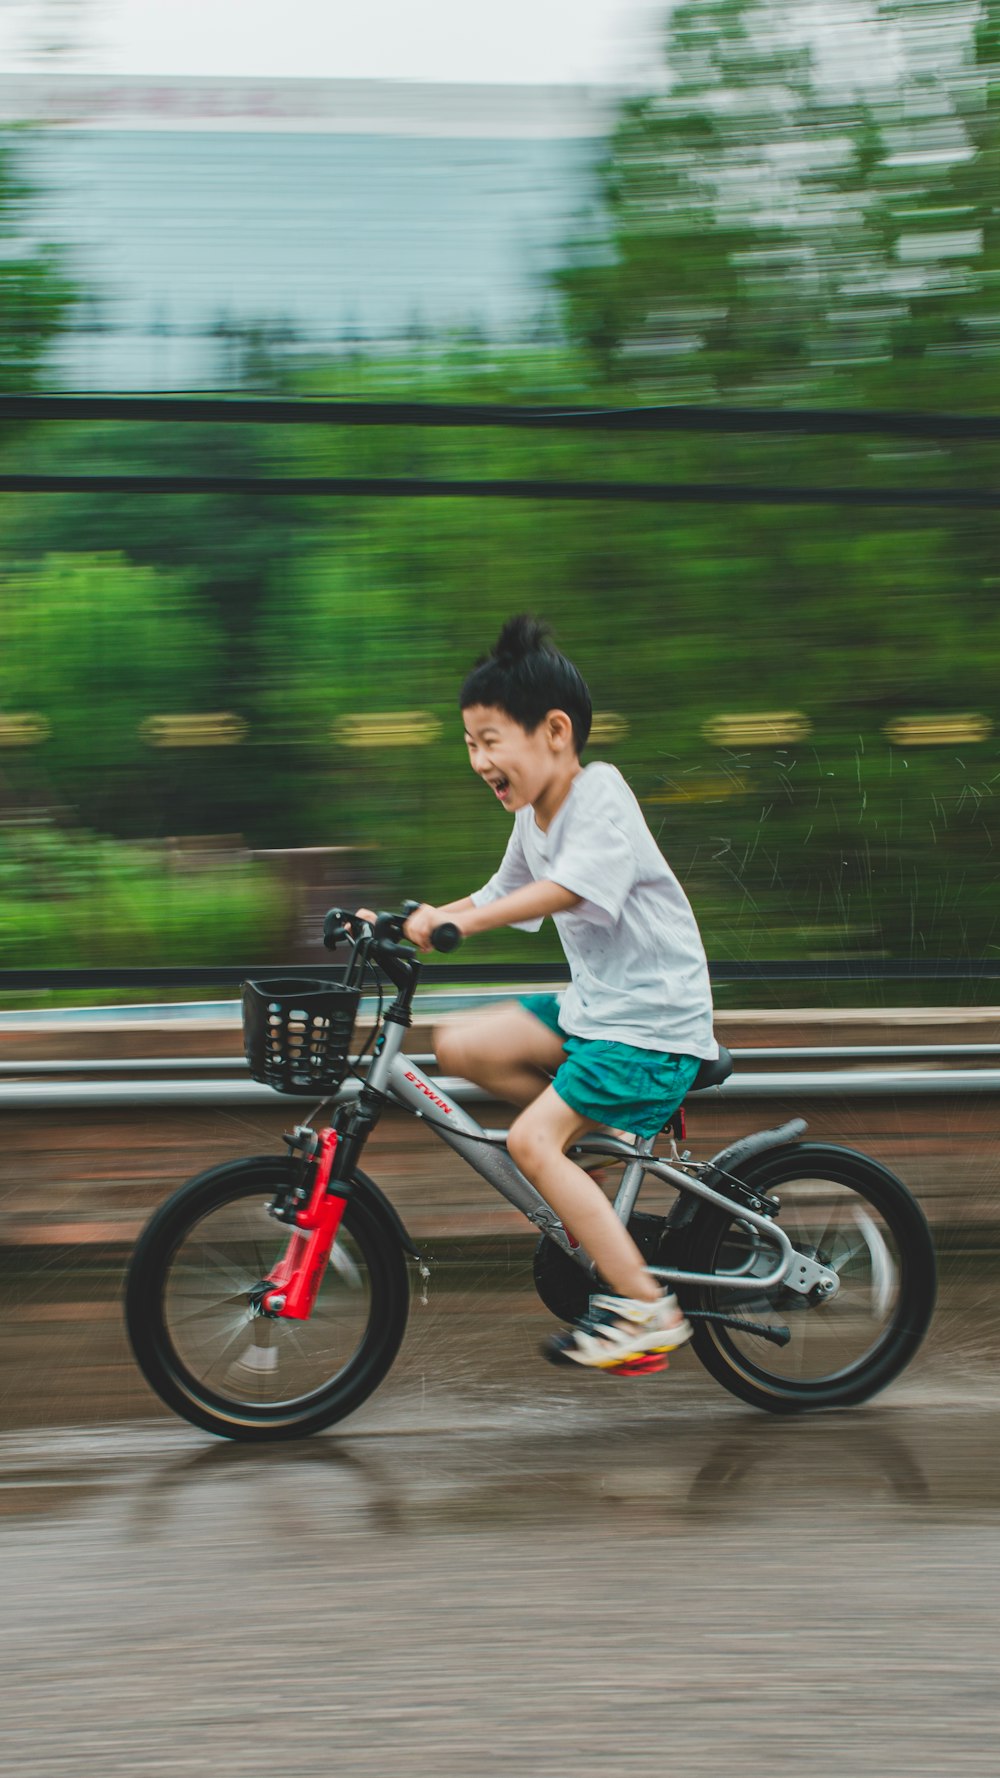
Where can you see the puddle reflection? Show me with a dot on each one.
(578, 1476)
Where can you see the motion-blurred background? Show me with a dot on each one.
(219, 712)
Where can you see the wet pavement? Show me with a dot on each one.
(492, 1566)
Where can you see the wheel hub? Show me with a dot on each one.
(810, 1281)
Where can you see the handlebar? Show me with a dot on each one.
(387, 931)
(446, 937)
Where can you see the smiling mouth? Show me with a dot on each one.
(500, 787)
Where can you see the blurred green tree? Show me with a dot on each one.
(96, 646)
(777, 219)
(700, 288)
(938, 187)
(36, 294)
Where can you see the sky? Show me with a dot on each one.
(589, 41)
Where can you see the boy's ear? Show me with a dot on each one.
(560, 729)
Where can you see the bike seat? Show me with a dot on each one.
(712, 1074)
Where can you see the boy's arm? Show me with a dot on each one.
(532, 902)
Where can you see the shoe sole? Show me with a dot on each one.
(649, 1366)
(638, 1362)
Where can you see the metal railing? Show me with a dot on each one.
(136, 1065)
(29, 1086)
(100, 1084)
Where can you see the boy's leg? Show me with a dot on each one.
(537, 1141)
(632, 1330)
(504, 1049)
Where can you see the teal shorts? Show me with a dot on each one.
(614, 1083)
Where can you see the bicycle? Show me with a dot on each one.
(268, 1298)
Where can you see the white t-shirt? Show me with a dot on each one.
(637, 964)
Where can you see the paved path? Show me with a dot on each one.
(493, 1569)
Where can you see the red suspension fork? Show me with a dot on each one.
(293, 1286)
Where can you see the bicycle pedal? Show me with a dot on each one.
(645, 1366)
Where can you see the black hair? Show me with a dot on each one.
(525, 675)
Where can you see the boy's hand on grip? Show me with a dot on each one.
(421, 924)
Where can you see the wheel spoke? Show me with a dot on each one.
(223, 1263)
(227, 1348)
(199, 1314)
(883, 1268)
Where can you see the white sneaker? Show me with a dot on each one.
(621, 1334)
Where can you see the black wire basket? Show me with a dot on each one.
(297, 1032)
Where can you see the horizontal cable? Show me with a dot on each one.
(216, 409)
(409, 487)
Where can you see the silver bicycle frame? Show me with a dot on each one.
(393, 1072)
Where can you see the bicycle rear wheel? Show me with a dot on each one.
(239, 1374)
(852, 1215)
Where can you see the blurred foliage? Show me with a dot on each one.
(71, 898)
(803, 213)
(35, 292)
(94, 644)
(806, 213)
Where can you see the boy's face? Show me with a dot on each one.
(518, 766)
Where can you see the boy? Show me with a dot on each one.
(623, 1044)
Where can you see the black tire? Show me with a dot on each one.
(328, 1365)
(852, 1358)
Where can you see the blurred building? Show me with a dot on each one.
(321, 213)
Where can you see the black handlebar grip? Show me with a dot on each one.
(446, 937)
(334, 933)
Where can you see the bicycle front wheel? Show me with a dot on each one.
(850, 1214)
(205, 1351)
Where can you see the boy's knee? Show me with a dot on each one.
(453, 1048)
(517, 1143)
(446, 1048)
(528, 1141)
